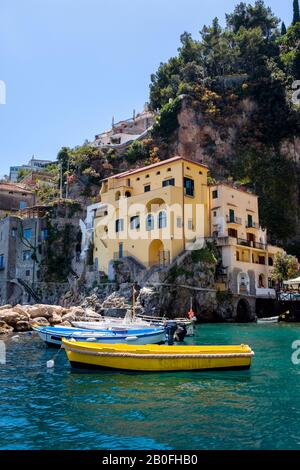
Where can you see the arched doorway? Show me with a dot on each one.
(243, 284)
(243, 312)
(155, 249)
(262, 281)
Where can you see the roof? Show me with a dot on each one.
(14, 187)
(156, 165)
(241, 189)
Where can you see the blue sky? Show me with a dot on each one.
(70, 65)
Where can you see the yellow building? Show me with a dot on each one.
(246, 256)
(151, 214)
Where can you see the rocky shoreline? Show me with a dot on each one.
(22, 318)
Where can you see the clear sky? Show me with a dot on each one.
(70, 65)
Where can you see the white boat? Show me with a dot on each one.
(118, 324)
(53, 336)
(268, 320)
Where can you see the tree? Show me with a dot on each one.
(253, 16)
(22, 173)
(283, 29)
(285, 267)
(296, 13)
(290, 51)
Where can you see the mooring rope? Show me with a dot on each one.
(160, 356)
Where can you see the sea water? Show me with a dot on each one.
(56, 408)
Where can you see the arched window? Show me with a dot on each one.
(118, 196)
(149, 222)
(162, 220)
(128, 194)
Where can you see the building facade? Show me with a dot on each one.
(151, 214)
(247, 257)
(14, 197)
(21, 249)
(124, 132)
(33, 165)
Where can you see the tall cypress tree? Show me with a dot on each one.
(283, 29)
(296, 17)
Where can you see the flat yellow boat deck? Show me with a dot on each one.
(154, 358)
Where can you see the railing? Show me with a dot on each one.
(233, 220)
(252, 225)
(242, 242)
(288, 296)
(259, 246)
(251, 244)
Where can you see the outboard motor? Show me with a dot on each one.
(180, 333)
(170, 330)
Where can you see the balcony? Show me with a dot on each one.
(264, 293)
(253, 225)
(233, 220)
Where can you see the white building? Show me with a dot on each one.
(34, 165)
(127, 131)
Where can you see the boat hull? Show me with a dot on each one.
(53, 337)
(121, 325)
(158, 358)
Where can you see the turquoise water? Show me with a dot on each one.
(60, 409)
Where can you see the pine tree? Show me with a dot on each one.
(283, 29)
(296, 17)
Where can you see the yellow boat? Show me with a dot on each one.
(154, 358)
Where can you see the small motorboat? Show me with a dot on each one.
(53, 336)
(268, 320)
(153, 358)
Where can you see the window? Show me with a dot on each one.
(237, 256)
(215, 213)
(190, 224)
(179, 222)
(232, 233)
(138, 179)
(1, 261)
(169, 169)
(189, 186)
(162, 220)
(170, 182)
(26, 255)
(27, 274)
(14, 232)
(22, 205)
(27, 233)
(135, 222)
(147, 188)
(44, 234)
(215, 194)
(119, 225)
(271, 261)
(128, 194)
(231, 215)
(149, 222)
(158, 173)
(147, 176)
(250, 220)
(96, 264)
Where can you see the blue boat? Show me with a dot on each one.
(52, 336)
